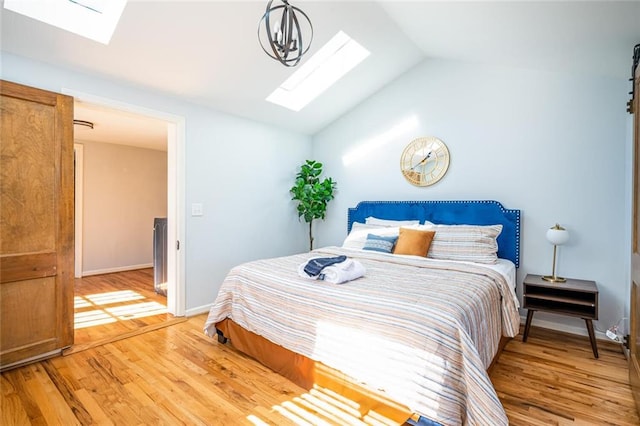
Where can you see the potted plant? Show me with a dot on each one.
(311, 194)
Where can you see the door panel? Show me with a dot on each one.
(27, 150)
(38, 292)
(36, 223)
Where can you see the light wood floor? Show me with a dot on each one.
(116, 305)
(176, 375)
(553, 379)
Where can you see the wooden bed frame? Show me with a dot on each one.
(306, 372)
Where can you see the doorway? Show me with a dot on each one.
(173, 139)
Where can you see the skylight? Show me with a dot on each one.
(93, 19)
(336, 58)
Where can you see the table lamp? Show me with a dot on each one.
(556, 236)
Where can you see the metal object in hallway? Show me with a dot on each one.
(160, 255)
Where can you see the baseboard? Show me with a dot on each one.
(198, 310)
(117, 269)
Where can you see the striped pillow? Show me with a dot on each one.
(380, 243)
(469, 243)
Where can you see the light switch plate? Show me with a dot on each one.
(196, 209)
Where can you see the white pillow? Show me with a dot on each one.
(389, 223)
(359, 231)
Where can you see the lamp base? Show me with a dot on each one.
(554, 279)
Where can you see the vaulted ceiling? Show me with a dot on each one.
(206, 52)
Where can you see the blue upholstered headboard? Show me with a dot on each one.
(485, 212)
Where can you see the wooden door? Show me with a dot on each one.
(634, 334)
(36, 224)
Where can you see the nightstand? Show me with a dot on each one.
(576, 298)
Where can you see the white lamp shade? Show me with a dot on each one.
(557, 235)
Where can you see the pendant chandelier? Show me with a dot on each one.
(284, 33)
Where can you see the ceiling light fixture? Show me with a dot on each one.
(84, 123)
(285, 37)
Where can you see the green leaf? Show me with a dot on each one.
(312, 194)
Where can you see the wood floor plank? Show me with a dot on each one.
(66, 390)
(11, 410)
(554, 379)
(50, 401)
(95, 413)
(177, 375)
(18, 382)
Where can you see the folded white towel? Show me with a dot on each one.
(337, 273)
(342, 272)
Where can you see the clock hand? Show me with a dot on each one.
(423, 160)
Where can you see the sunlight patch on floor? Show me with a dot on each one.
(114, 297)
(138, 310)
(321, 406)
(91, 318)
(80, 302)
(90, 310)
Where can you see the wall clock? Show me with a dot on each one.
(424, 161)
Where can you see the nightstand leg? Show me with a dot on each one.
(592, 337)
(527, 325)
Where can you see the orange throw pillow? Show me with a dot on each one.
(414, 241)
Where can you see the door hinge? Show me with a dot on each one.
(178, 245)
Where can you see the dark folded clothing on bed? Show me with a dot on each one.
(315, 266)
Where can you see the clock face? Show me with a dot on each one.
(424, 161)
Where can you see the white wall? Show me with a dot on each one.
(241, 171)
(552, 145)
(124, 189)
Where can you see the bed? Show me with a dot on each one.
(419, 331)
